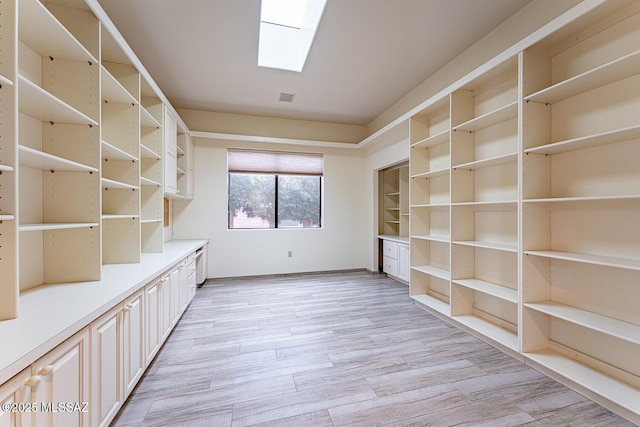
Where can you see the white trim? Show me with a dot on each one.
(272, 140)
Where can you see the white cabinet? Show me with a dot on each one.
(395, 257)
(190, 284)
(106, 366)
(17, 392)
(60, 376)
(63, 376)
(153, 318)
(403, 261)
(176, 290)
(133, 356)
(117, 357)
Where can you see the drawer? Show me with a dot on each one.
(390, 249)
(390, 266)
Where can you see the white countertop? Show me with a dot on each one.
(50, 314)
(399, 239)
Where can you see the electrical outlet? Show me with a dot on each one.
(290, 254)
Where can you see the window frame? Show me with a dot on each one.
(276, 176)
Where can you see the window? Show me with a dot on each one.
(287, 30)
(274, 189)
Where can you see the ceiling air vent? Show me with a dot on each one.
(286, 97)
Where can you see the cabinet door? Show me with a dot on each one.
(15, 392)
(176, 293)
(390, 249)
(106, 366)
(390, 266)
(133, 357)
(190, 284)
(166, 318)
(64, 377)
(170, 150)
(403, 262)
(153, 319)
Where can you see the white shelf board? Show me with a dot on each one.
(43, 33)
(491, 118)
(432, 238)
(392, 209)
(431, 174)
(622, 394)
(44, 161)
(499, 246)
(603, 75)
(112, 89)
(489, 330)
(576, 203)
(112, 152)
(56, 226)
(5, 81)
(502, 292)
(433, 303)
(433, 271)
(117, 185)
(595, 140)
(486, 163)
(180, 171)
(430, 205)
(40, 104)
(146, 119)
(396, 193)
(118, 216)
(5, 168)
(393, 222)
(151, 221)
(501, 206)
(149, 182)
(613, 327)
(432, 141)
(7, 217)
(606, 261)
(148, 153)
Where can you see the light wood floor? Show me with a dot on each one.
(333, 350)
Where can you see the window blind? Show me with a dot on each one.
(252, 161)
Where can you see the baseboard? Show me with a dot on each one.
(307, 273)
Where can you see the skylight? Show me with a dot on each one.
(287, 29)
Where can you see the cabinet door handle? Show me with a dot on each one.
(33, 381)
(46, 370)
(127, 307)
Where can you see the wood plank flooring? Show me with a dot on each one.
(346, 349)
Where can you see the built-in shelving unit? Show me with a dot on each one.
(58, 146)
(581, 207)
(525, 200)
(81, 149)
(394, 201)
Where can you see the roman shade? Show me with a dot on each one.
(276, 162)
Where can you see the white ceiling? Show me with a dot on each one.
(367, 53)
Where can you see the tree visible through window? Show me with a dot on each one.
(274, 190)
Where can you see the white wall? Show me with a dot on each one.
(339, 244)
